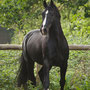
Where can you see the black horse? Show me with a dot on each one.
(46, 46)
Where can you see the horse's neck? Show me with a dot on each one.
(59, 28)
(56, 30)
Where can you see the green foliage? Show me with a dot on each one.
(8, 68)
(77, 77)
(14, 12)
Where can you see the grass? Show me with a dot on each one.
(77, 77)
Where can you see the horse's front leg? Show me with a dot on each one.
(46, 67)
(62, 74)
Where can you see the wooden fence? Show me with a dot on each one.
(19, 47)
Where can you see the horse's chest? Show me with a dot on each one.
(50, 49)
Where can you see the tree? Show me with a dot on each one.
(14, 12)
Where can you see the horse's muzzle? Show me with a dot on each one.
(43, 31)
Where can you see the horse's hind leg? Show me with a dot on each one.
(30, 71)
(41, 74)
(63, 73)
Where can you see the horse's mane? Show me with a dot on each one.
(55, 9)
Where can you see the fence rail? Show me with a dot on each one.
(19, 47)
(10, 47)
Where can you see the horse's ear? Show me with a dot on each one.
(44, 3)
(51, 3)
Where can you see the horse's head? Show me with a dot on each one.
(49, 16)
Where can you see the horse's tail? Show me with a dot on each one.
(22, 73)
(22, 76)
